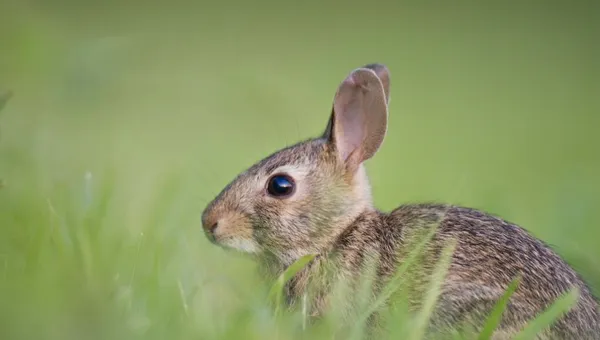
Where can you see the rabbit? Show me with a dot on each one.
(314, 198)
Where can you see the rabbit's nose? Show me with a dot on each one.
(209, 223)
(211, 228)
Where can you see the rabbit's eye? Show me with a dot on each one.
(280, 186)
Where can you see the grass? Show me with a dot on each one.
(126, 119)
(561, 306)
(495, 316)
(277, 293)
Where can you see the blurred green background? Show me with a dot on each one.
(494, 105)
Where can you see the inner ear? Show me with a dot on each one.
(359, 117)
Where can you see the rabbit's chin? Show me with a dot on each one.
(239, 244)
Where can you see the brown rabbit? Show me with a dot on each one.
(314, 198)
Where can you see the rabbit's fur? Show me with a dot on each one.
(331, 214)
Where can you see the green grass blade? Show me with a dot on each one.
(276, 291)
(496, 315)
(399, 277)
(363, 296)
(561, 306)
(437, 279)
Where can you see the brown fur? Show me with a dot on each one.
(331, 214)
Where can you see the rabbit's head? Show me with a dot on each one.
(297, 200)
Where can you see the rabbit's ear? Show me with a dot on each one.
(384, 75)
(358, 120)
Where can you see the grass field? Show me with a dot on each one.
(127, 118)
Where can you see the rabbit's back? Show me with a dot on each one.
(489, 254)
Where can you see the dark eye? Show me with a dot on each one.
(280, 186)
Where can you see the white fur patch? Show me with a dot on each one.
(244, 245)
(363, 186)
